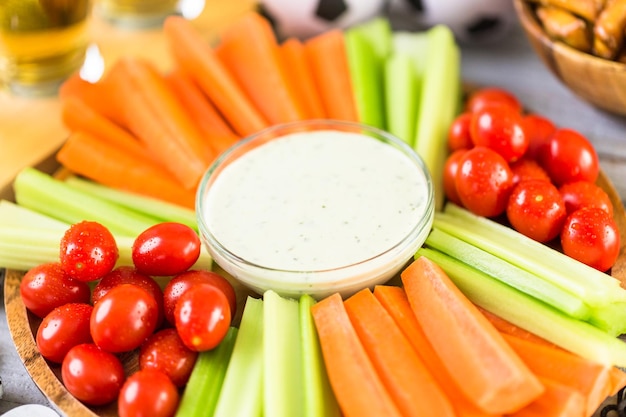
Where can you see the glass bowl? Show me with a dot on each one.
(315, 207)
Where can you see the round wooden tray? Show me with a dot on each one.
(23, 326)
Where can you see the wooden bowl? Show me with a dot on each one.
(599, 81)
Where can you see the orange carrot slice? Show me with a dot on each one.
(558, 400)
(474, 352)
(301, 79)
(357, 386)
(96, 95)
(400, 368)
(249, 49)
(395, 301)
(212, 125)
(327, 57)
(107, 164)
(194, 55)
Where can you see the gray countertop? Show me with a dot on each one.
(508, 63)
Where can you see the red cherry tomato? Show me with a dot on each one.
(591, 236)
(570, 157)
(459, 133)
(450, 169)
(148, 393)
(528, 169)
(484, 181)
(166, 249)
(88, 251)
(165, 351)
(202, 317)
(62, 329)
(47, 286)
(581, 194)
(490, 96)
(501, 129)
(92, 375)
(536, 210)
(124, 318)
(538, 129)
(182, 282)
(129, 275)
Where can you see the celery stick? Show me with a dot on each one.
(508, 273)
(11, 214)
(242, 390)
(366, 75)
(319, 399)
(151, 207)
(45, 194)
(401, 92)
(592, 286)
(611, 318)
(378, 34)
(529, 313)
(282, 353)
(439, 103)
(206, 379)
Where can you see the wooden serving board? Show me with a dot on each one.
(23, 327)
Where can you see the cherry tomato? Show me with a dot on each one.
(536, 210)
(202, 317)
(459, 133)
(501, 129)
(129, 275)
(124, 318)
(484, 181)
(47, 286)
(490, 96)
(62, 329)
(166, 249)
(92, 375)
(570, 157)
(581, 194)
(539, 129)
(591, 236)
(450, 169)
(182, 282)
(165, 351)
(148, 393)
(528, 169)
(88, 251)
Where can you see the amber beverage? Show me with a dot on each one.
(137, 13)
(42, 42)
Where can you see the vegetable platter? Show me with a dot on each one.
(439, 113)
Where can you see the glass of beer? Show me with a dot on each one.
(139, 14)
(42, 42)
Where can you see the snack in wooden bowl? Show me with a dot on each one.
(593, 71)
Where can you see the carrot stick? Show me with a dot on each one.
(395, 301)
(210, 123)
(474, 352)
(589, 378)
(199, 60)
(155, 116)
(327, 57)
(618, 380)
(249, 49)
(96, 95)
(558, 400)
(98, 160)
(400, 368)
(359, 390)
(301, 79)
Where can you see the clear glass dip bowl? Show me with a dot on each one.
(327, 201)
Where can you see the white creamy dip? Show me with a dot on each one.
(316, 200)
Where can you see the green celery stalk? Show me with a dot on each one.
(282, 357)
(595, 288)
(151, 207)
(366, 75)
(508, 273)
(207, 377)
(378, 33)
(319, 399)
(401, 93)
(11, 214)
(610, 317)
(242, 389)
(529, 313)
(47, 195)
(439, 104)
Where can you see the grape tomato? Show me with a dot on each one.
(569, 157)
(63, 328)
(579, 194)
(148, 393)
(459, 133)
(490, 96)
(165, 351)
(88, 251)
(500, 128)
